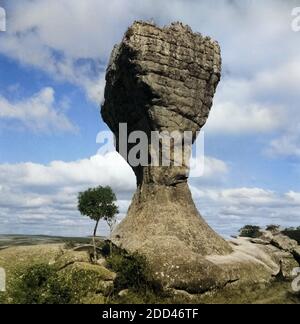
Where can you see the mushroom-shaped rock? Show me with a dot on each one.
(162, 81)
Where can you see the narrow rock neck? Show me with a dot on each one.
(161, 176)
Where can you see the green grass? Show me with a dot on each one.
(28, 270)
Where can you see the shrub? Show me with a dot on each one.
(250, 231)
(132, 272)
(273, 228)
(44, 284)
(69, 245)
(293, 234)
(40, 284)
(108, 248)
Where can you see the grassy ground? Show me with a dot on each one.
(17, 257)
(24, 240)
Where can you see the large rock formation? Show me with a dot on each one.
(164, 79)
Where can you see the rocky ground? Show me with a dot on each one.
(94, 283)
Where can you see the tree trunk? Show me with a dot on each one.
(94, 240)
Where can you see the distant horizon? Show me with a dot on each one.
(54, 236)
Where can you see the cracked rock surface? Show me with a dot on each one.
(164, 79)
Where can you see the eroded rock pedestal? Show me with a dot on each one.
(164, 79)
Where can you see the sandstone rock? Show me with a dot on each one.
(181, 293)
(260, 241)
(89, 277)
(87, 248)
(296, 253)
(163, 79)
(69, 257)
(284, 243)
(123, 293)
(267, 236)
(287, 265)
(88, 268)
(102, 262)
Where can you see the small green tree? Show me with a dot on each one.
(98, 203)
(273, 228)
(111, 221)
(250, 231)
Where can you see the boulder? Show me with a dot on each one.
(69, 257)
(123, 293)
(86, 277)
(260, 241)
(296, 253)
(102, 262)
(284, 243)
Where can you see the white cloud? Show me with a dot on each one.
(237, 196)
(233, 118)
(110, 170)
(248, 196)
(39, 196)
(70, 40)
(207, 169)
(294, 197)
(284, 79)
(286, 145)
(37, 113)
(76, 48)
(227, 210)
(214, 168)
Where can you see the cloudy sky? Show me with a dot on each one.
(52, 63)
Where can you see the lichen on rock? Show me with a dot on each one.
(164, 80)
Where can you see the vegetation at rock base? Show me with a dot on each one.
(254, 231)
(132, 272)
(250, 231)
(45, 284)
(40, 284)
(69, 245)
(293, 233)
(53, 274)
(273, 228)
(71, 281)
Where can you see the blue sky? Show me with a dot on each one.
(52, 61)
